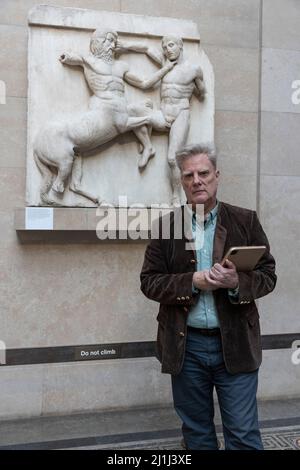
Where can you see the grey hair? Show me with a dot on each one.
(197, 149)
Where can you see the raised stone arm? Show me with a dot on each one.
(154, 54)
(144, 84)
(69, 58)
(200, 89)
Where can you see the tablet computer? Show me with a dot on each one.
(245, 258)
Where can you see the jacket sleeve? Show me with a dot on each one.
(262, 280)
(158, 284)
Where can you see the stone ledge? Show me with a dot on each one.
(78, 18)
(84, 225)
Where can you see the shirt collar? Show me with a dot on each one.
(210, 217)
(212, 214)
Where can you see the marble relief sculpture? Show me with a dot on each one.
(60, 144)
(111, 98)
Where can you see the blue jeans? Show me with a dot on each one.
(204, 369)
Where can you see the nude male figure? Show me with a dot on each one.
(60, 144)
(177, 88)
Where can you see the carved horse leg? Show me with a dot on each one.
(143, 133)
(47, 179)
(75, 184)
(64, 170)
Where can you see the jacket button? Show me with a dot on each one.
(181, 333)
(182, 298)
(187, 298)
(185, 309)
(193, 261)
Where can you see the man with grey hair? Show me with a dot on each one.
(208, 323)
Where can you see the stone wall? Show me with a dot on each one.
(279, 182)
(68, 294)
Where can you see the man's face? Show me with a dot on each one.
(109, 43)
(104, 47)
(171, 49)
(200, 180)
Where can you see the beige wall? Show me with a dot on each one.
(81, 294)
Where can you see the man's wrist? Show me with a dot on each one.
(196, 280)
(199, 280)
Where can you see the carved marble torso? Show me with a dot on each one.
(183, 74)
(105, 79)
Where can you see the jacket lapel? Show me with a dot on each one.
(188, 232)
(220, 237)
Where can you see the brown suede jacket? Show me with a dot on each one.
(166, 277)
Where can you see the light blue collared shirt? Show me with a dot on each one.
(204, 313)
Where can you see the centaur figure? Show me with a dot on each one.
(60, 144)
